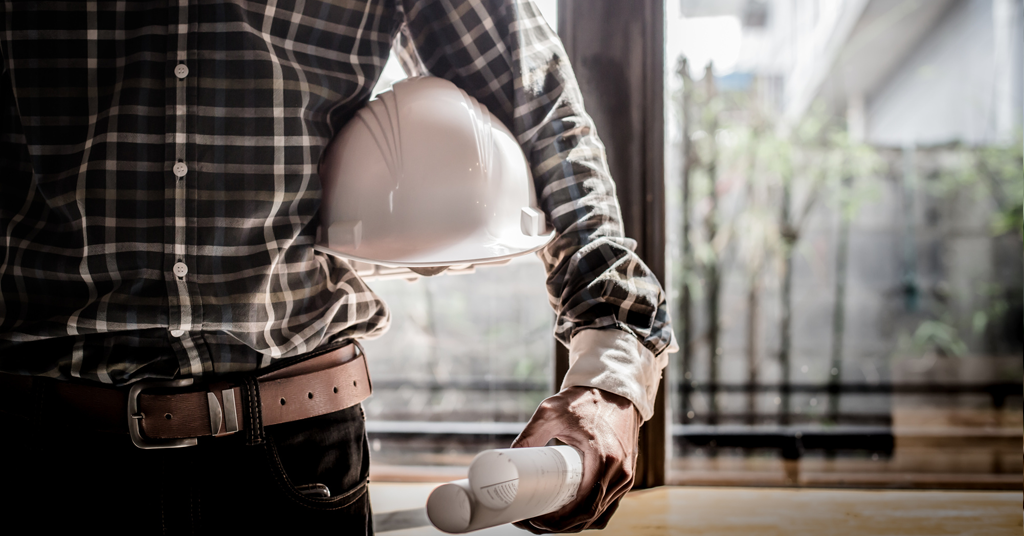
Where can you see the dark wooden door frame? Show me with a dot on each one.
(617, 51)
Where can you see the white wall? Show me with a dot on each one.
(947, 89)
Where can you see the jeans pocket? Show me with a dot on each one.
(327, 451)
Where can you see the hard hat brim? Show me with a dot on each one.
(469, 251)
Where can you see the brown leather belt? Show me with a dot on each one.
(161, 414)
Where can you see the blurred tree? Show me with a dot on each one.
(854, 166)
(775, 175)
(685, 329)
(994, 176)
(708, 146)
(804, 153)
(702, 247)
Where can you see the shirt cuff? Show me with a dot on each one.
(616, 361)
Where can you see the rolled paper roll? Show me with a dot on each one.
(505, 486)
(450, 507)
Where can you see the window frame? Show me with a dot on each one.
(610, 36)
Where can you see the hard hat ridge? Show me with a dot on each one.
(382, 124)
(482, 128)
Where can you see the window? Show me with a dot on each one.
(844, 248)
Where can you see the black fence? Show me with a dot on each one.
(828, 432)
(998, 392)
(790, 442)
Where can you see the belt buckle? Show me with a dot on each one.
(134, 416)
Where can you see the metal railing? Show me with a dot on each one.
(869, 433)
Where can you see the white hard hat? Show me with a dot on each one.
(424, 175)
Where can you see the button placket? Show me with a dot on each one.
(180, 85)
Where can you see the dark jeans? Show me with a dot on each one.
(57, 481)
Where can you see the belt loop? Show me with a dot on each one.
(252, 411)
(361, 352)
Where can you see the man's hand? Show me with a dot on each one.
(605, 427)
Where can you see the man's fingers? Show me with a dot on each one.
(578, 518)
(620, 475)
(602, 522)
(612, 498)
(620, 481)
(567, 530)
(526, 525)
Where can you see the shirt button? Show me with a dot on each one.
(180, 169)
(177, 333)
(180, 269)
(181, 70)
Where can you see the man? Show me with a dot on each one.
(158, 195)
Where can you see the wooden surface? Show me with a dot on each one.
(763, 512)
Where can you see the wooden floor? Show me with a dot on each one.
(693, 511)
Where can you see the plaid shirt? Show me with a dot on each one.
(159, 188)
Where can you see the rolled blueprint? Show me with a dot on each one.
(505, 486)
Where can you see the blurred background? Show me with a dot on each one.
(844, 192)
(842, 243)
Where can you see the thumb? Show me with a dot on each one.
(537, 433)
